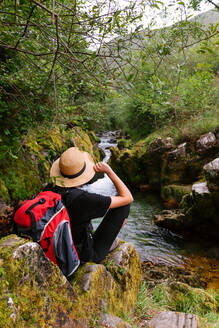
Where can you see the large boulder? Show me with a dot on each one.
(34, 291)
(151, 160)
(197, 210)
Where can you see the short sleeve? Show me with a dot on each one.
(86, 206)
(93, 205)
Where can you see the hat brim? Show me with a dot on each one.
(86, 176)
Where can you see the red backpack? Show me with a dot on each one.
(46, 221)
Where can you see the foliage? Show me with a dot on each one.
(50, 61)
(160, 298)
(181, 88)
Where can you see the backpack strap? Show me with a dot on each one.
(33, 219)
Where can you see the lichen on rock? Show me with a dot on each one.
(34, 291)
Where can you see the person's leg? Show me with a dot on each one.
(107, 231)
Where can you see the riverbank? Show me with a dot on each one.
(155, 294)
(186, 175)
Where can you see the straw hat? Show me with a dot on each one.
(73, 168)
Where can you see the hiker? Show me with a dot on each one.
(69, 172)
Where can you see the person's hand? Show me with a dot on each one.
(102, 167)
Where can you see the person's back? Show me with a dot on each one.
(73, 169)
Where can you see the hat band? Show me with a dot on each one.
(74, 175)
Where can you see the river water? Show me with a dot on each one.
(152, 243)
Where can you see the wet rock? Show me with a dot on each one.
(211, 171)
(158, 273)
(205, 142)
(172, 319)
(173, 220)
(109, 321)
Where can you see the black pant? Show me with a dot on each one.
(107, 232)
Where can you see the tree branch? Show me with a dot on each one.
(45, 8)
(25, 51)
(214, 4)
(207, 38)
(56, 52)
(26, 26)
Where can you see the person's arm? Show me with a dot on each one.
(124, 195)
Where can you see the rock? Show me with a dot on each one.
(22, 176)
(174, 166)
(179, 291)
(34, 291)
(109, 321)
(124, 143)
(205, 142)
(4, 194)
(6, 221)
(200, 188)
(174, 193)
(179, 152)
(203, 205)
(172, 319)
(211, 171)
(174, 220)
(161, 145)
(197, 209)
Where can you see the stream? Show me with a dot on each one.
(153, 243)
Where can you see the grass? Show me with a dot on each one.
(189, 127)
(187, 130)
(152, 301)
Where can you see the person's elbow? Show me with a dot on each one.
(118, 201)
(130, 199)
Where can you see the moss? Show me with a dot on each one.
(88, 302)
(22, 177)
(128, 276)
(44, 296)
(124, 143)
(195, 300)
(4, 191)
(175, 192)
(38, 300)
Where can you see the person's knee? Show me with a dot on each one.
(122, 211)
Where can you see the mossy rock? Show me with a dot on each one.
(112, 285)
(124, 143)
(25, 175)
(34, 291)
(182, 297)
(30, 286)
(4, 194)
(175, 192)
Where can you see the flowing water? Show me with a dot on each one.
(152, 243)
